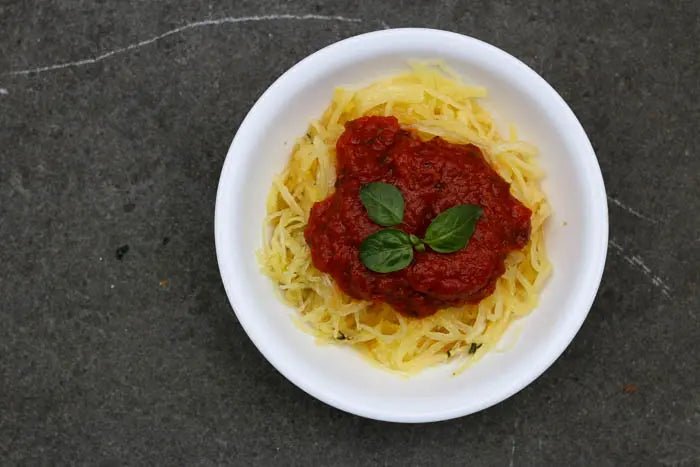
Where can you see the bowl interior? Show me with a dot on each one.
(576, 233)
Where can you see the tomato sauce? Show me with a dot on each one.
(433, 176)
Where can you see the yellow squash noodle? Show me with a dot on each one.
(432, 101)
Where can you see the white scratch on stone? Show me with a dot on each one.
(4, 92)
(186, 27)
(629, 210)
(512, 452)
(384, 24)
(637, 263)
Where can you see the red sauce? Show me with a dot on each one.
(433, 176)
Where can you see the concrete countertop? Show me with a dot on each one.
(117, 342)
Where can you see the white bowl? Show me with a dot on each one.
(576, 235)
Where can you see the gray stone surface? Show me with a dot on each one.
(101, 363)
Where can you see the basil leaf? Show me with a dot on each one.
(388, 250)
(383, 202)
(451, 229)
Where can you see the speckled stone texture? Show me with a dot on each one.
(112, 355)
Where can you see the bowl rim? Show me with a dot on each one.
(588, 294)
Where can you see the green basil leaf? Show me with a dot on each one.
(388, 250)
(384, 203)
(451, 230)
